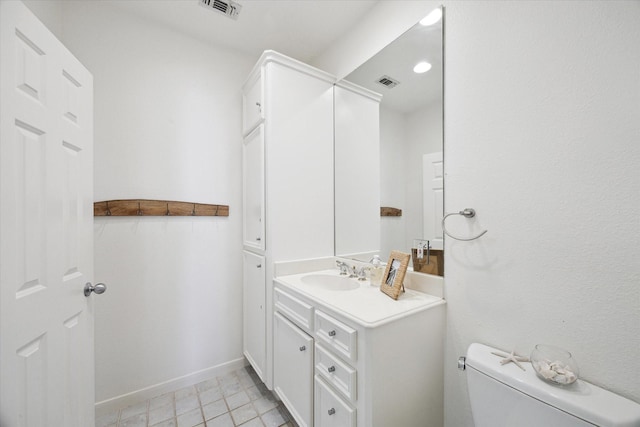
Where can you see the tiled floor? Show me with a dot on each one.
(236, 399)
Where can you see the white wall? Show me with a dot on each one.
(542, 117)
(542, 124)
(167, 126)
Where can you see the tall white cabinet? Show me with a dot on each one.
(288, 209)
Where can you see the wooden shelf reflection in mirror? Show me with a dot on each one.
(387, 211)
(141, 207)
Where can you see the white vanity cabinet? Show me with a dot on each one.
(369, 371)
(288, 180)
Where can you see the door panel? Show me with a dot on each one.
(433, 198)
(254, 320)
(46, 228)
(253, 189)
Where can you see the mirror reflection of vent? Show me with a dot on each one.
(388, 82)
(228, 8)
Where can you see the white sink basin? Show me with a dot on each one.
(331, 283)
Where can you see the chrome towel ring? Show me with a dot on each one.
(467, 213)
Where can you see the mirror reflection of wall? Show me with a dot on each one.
(411, 135)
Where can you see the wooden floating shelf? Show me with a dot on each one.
(387, 211)
(140, 207)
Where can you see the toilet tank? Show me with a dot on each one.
(506, 396)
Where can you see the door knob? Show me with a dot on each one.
(100, 288)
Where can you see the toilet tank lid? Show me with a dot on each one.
(583, 400)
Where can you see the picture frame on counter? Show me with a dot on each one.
(393, 277)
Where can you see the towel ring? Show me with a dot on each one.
(467, 213)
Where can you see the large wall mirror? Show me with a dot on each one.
(411, 135)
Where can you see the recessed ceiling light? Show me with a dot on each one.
(433, 17)
(422, 67)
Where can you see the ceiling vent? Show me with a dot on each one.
(228, 8)
(388, 82)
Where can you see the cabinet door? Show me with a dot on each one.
(254, 319)
(252, 104)
(293, 369)
(253, 189)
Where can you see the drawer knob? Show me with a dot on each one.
(303, 348)
(331, 411)
(258, 239)
(332, 369)
(259, 266)
(332, 333)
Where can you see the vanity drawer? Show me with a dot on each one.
(336, 372)
(294, 309)
(330, 409)
(338, 336)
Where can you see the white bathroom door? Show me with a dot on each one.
(46, 228)
(433, 198)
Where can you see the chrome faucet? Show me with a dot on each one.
(362, 273)
(344, 267)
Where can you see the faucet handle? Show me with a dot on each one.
(362, 274)
(354, 272)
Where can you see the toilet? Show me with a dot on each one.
(506, 396)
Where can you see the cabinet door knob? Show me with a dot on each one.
(303, 348)
(332, 333)
(332, 369)
(258, 239)
(331, 411)
(258, 104)
(259, 266)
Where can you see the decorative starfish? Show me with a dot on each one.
(513, 357)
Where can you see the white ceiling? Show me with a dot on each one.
(302, 29)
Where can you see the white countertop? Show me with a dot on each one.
(366, 305)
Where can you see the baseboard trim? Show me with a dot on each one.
(134, 397)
